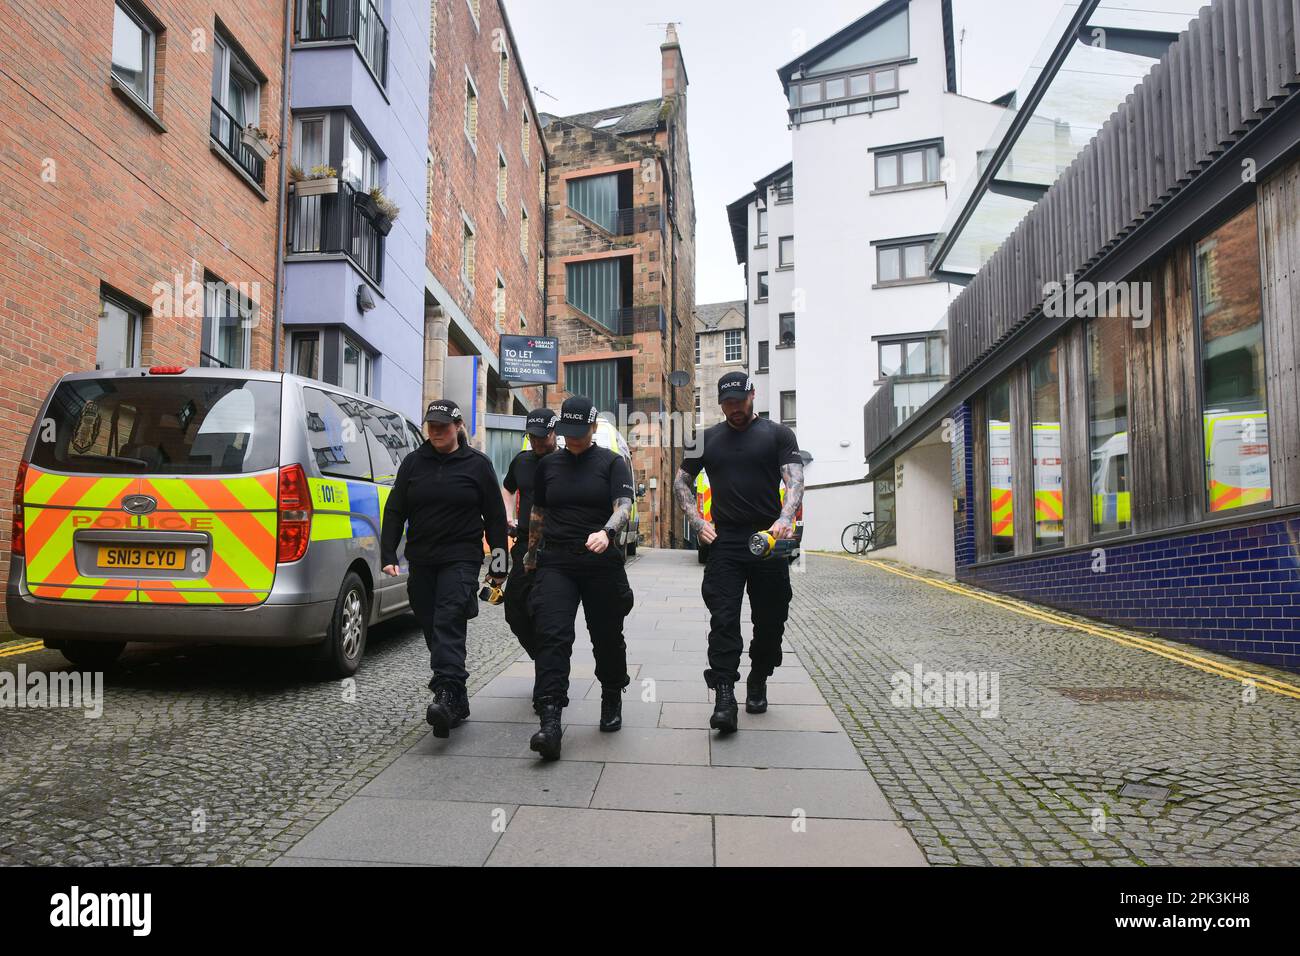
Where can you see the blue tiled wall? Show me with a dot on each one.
(963, 485)
(1235, 590)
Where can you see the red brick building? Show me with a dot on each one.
(487, 165)
(126, 193)
(620, 291)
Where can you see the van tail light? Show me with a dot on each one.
(18, 538)
(295, 514)
(166, 369)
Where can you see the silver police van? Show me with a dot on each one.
(205, 505)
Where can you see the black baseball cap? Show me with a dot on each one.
(442, 410)
(734, 385)
(540, 421)
(576, 416)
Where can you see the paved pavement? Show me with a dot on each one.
(788, 789)
(1080, 719)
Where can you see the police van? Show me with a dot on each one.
(203, 505)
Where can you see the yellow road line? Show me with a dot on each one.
(15, 649)
(1177, 655)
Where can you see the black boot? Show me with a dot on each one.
(756, 693)
(724, 709)
(547, 740)
(611, 708)
(461, 702)
(441, 712)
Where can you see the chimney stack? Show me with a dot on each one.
(674, 68)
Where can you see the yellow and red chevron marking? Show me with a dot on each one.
(53, 507)
(1048, 505)
(240, 515)
(1225, 497)
(1002, 512)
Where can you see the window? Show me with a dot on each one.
(1233, 394)
(524, 136)
(118, 342)
(599, 198)
(234, 86)
(1045, 414)
(901, 262)
(787, 409)
(762, 356)
(499, 304)
(356, 367)
(697, 350)
(785, 251)
(1001, 466)
(523, 231)
(467, 257)
(388, 439)
(503, 74)
(501, 179)
(883, 498)
(865, 90)
(227, 325)
(762, 287)
(697, 405)
(1108, 424)
(304, 354)
(541, 184)
(134, 45)
(337, 440)
(601, 289)
(731, 346)
(907, 167)
(784, 189)
(607, 122)
(786, 329)
(471, 111)
(360, 164)
(762, 228)
(923, 356)
(311, 141)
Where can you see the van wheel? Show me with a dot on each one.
(92, 655)
(345, 644)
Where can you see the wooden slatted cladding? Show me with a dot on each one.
(1279, 231)
(1235, 63)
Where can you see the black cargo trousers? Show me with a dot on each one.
(731, 570)
(519, 585)
(568, 574)
(443, 598)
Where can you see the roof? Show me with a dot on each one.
(866, 22)
(631, 117)
(710, 314)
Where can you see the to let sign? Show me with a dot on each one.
(530, 359)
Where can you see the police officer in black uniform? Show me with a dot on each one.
(540, 428)
(746, 458)
(582, 500)
(447, 497)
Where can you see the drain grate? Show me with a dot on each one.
(1110, 695)
(1143, 791)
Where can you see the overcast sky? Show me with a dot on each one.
(588, 54)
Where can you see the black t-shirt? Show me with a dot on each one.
(744, 469)
(519, 478)
(578, 492)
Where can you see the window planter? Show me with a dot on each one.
(383, 224)
(317, 187)
(258, 142)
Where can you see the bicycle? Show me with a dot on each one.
(859, 537)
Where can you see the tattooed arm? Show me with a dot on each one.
(685, 492)
(792, 475)
(535, 519)
(598, 541)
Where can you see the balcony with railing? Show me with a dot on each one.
(638, 318)
(355, 20)
(229, 134)
(335, 224)
(897, 400)
(628, 222)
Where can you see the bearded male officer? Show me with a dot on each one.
(746, 458)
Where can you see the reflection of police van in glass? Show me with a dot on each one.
(608, 436)
(204, 505)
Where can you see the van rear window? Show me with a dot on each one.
(161, 425)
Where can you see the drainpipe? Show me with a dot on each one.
(546, 245)
(280, 215)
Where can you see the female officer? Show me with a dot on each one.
(446, 495)
(582, 499)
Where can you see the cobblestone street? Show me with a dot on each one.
(1024, 787)
(222, 756)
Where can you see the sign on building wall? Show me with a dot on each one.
(460, 384)
(529, 360)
